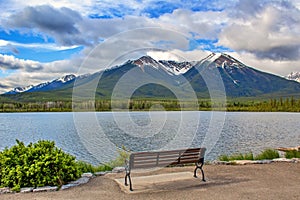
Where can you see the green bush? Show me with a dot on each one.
(267, 154)
(87, 167)
(224, 158)
(292, 154)
(247, 156)
(120, 160)
(36, 165)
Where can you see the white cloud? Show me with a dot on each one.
(205, 25)
(162, 55)
(273, 33)
(8, 62)
(12, 6)
(280, 68)
(48, 46)
(194, 55)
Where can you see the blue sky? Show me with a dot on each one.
(42, 40)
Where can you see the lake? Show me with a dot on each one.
(95, 137)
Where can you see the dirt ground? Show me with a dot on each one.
(259, 181)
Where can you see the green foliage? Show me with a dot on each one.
(267, 154)
(121, 159)
(270, 105)
(224, 158)
(292, 154)
(247, 156)
(87, 167)
(36, 165)
(146, 104)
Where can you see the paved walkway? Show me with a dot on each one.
(159, 182)
(259, 181)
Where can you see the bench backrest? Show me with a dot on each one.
(165, 158)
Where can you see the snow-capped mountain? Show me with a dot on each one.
(239, 80)
(295, 76)
(57, 83)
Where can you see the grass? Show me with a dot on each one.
(87, 167)
(267, 154)
(248, 156)
(292, 154)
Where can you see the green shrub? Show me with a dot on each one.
(292, 154)
(247, 156)
(120, 160)
(224, 158)
(267, 154)
(87, 167)
(36, 165)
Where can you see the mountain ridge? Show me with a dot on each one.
(165, 75)
(56, 83)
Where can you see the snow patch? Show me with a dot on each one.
(169, 66)
(294, 76)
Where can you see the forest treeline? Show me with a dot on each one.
(271, 105)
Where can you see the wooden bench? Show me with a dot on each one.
(146, 160)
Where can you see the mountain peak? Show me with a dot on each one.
(223, 60)
(145, 60)
(66, 78)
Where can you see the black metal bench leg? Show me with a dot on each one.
(130, 184)
(199, 167)
(126, 179)
(203, 178)
(195, 172)
(129, 178)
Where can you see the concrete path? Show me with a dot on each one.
(160, 182)
(278, 181)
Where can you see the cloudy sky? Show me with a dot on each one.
(43, 40)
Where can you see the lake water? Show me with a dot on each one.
(95, 137)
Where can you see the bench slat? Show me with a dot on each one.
(165, 158)
(162, 164)
(160, 157)
(168, 152)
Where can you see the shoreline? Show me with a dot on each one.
(123, 111)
